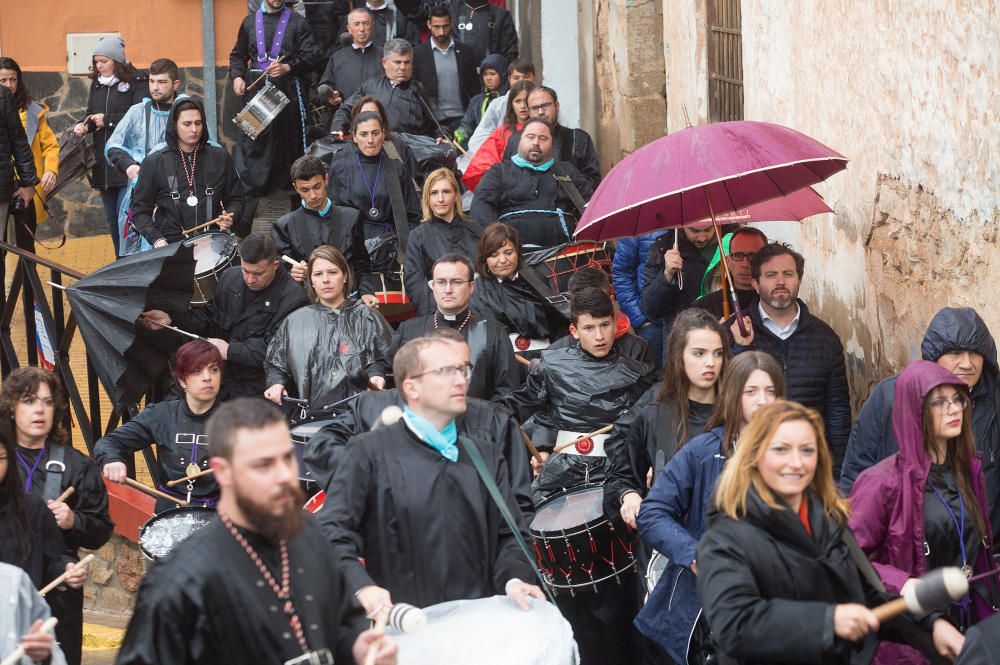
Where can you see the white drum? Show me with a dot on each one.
(261, 111)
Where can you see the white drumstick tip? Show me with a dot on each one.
(391, 415)
(407, 618)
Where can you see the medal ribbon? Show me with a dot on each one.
(378, 173)
(264, 58)
(30, 471)
(189, 177)
(966, 568)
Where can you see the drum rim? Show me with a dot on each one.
(570, 587)
(579, 528)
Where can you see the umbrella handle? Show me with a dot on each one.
(726, 276)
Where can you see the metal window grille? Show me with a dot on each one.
(725, 61)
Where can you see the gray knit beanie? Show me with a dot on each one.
(111, 47)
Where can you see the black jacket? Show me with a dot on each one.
(815, 372)
(403, 106)
(46, 557)
(661, 299)
(247, 329)
(301, 231)
(349, 67)
(629, 345)
(492, 28)
(570, 145)
(429, 242)
(163, 176)
(527, 200)
(113, 101)
(467, 61)
(482, 420)
(405, 27)
(14, 147)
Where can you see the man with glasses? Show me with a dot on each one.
(568, 145)
(744, 244)
(494, 368)
(407, 499)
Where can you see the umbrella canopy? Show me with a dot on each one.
(687, 176)
(107, 303)
(76, 157)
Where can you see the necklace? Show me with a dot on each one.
(191, 200)
(373, 211)
(460, 327)
(283, 592)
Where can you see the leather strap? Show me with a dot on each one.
(559, 301)
(54, 473)
(392, 181)
(568, 187)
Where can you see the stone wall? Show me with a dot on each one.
(113, 577)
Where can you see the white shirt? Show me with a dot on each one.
(770, 324)
(450, 46)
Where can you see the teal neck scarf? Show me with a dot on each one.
(442, 441)
(321, 213)
(525, 164)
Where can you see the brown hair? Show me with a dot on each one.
(356, 111)
(333, 255)
(740, 472)
(495, 236)
(24, 381)
(675, 380)
(728, 411)
(432, 179)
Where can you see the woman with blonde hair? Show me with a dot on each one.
(780, 577)
(331, 349)
(443, 230)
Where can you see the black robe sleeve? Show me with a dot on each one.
(232, 194)
(240, 55)
(92, 526)
(505, 368)
(415, 275)
(531, 397)
(144, 198)
(381, 345)
(131, 437)
(585, 159)
(489, 193)
(252, 350)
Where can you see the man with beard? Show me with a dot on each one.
(533, 192)
(809, 350)
(259, 584)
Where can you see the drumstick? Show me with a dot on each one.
(262, 75)
(289, 260)
(603, 430)
(67, 493)
(524, 361)
(203, 472)
(59, 580)
(200, 226)
(154, 492)
(531, 446)
(381, 618)
(17, 654)
(460, 148)
(175, 329)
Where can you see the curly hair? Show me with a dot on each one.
(24, 382)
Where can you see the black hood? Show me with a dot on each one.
(959, 328)
(170, 134)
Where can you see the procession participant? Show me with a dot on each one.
(492, 75)
(390, 22)
(583, 388)
(485, 27)
(776, 576)
(627, 275)
(505, 295)
(957, 339)
(744, 243)
(32, 402)
(44, 149)
(259, 584)
(115, 86)
(415, 477)
(925, 507)
(320, 351)
(529, 193)
(349, 67)
(177, 427)
(492, 149)
(318, 222)
(394, 148)
(446, 67)
(443, 230)
(493, 116)
(274, 31)
(22, 612)
(399, 93)
(568, 145)
(808, 349)
(494, 368)
(646, 438)
(673, 516)
(187, 182)
(14, 149)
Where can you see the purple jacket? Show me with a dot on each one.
(887, 501)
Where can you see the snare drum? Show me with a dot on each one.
(162, 533)
(576, 546)
(214, 252)
(391, 292)
(557, 265)
(261, 111)
(300, 437)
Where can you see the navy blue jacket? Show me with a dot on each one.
(627, 276)
(672, 518)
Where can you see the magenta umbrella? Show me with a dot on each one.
(698, 172)
(795, 207)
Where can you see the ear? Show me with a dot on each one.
(177, 85)
(472, 286)
(573, 331)
(755, 285)
(223, 471)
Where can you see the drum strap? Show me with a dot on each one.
(494, 491)
(569, 189)
(55, 467)
(477, 341)
(398, 209)
(558, 301)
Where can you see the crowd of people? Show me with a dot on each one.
(723, 504)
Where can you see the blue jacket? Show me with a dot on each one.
(672, 518)
(626, 273)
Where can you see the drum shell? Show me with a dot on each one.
(301, 434)
(557, 265)
(214, 253)
(261, 110)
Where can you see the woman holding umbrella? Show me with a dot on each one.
(319, 351)
(178, 428)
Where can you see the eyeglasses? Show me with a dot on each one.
(538, 108)
(444, 283)
(465, 369)
(740, 257)
(944, 404)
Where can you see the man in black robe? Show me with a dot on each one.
(408, 499)
(319, 222)
(271, 32)
(258, 584)
(250, 302)
(526, 192)
(353, 64)
(494, 369)
(392, 20)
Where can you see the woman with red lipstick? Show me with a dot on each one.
(176, 426)
(925, 506)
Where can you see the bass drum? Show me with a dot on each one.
(162, 533)
(301, 434)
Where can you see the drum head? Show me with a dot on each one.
(570, 509)
(162, 533)
(212, 251)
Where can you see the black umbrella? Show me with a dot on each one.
(128, 358)
(76, 157)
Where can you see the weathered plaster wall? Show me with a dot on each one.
(685, 33)
(908, 91)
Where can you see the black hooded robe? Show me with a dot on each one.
(427, 243)
(515, 305)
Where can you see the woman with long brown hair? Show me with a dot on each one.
(780, 577)
(492, 149)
